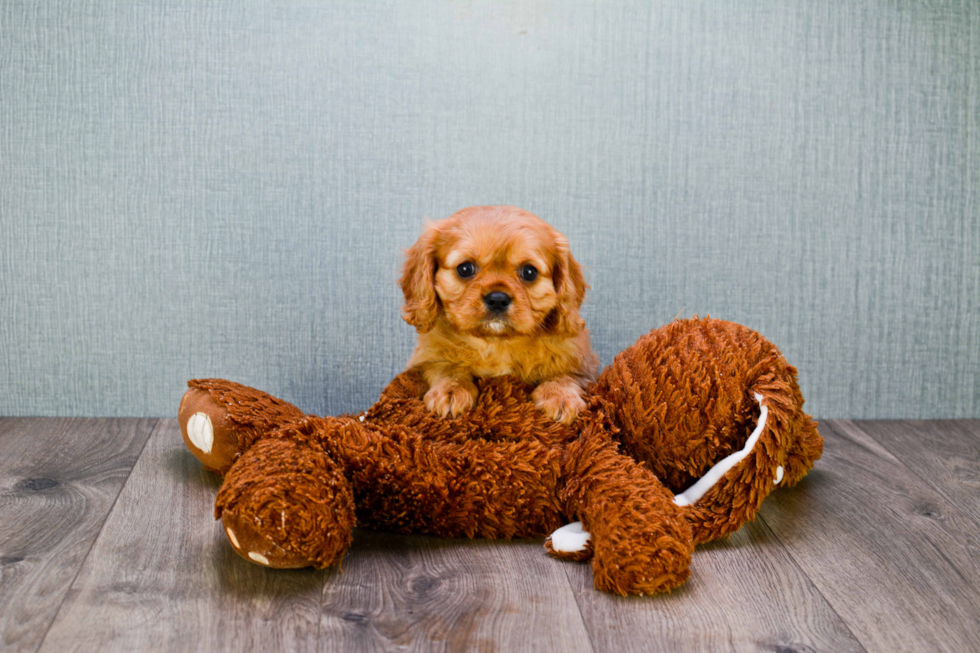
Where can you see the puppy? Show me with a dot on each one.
(494, 290)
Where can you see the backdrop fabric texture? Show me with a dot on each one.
(225, 189)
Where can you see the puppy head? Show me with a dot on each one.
(493, 271)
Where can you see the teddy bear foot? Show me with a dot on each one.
(624, 566)
(221, 419)
(570, 542)
(248, 541)
(207, 430)
(286, 504)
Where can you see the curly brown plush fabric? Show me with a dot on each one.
(659, 418)
(683, 397)
(295, 496)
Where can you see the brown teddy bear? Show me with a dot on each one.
(684, 435)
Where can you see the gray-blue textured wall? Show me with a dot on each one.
(198, 189)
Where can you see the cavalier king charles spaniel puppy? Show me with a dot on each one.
(494, 290)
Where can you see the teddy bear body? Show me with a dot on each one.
(696, 399)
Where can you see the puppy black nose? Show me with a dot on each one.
(497, 301)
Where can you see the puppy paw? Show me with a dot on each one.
(450, 398)
(561, 401)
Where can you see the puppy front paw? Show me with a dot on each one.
(450, 398)
(560, 400)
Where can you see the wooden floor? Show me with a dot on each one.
(107, 542)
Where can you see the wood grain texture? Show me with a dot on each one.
(162, 576)
(875, 550)
(744, 594)
(58, 481)
(895, 559)
(416, 593)
(944, 454)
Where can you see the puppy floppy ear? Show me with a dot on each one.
(418, 282)
(570, 286)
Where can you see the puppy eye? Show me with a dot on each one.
(465, 270)
(529, 273)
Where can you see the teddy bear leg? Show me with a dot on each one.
(286, 504)
(641, 542)
(220, 419)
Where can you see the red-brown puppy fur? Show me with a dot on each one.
(539, 337)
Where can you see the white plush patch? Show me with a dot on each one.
(570, 538)
(200, 432)
(361, 418)
(231, 536)
(496, 326)
(779, 475)
(691, 495)
(259, 558)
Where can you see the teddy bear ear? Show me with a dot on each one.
(418, 281)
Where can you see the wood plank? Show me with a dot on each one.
(877, 545)
(945, 454)
(58, 481)
(417, 593)
(895, 559)
(162, 576)
(745, 594)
